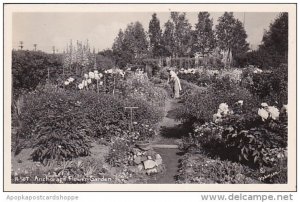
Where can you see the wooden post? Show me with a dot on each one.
(97, 86)
(114, 85)
(131, 115)
(48, 74)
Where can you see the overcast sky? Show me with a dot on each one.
(56, 29)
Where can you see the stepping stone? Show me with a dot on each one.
(165, 146)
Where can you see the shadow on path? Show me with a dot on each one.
(176, 132)
(171, 132)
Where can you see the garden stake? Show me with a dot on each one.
(114, 85)
(131, 113)
(97, 86)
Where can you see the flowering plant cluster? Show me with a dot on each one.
(272, 112)
(89, 78)
(200, 103)
(195, 76)
(68, 81)
(115, 71)
(188, 71)
(251, 137)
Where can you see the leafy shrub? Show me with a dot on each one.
(270, 86)
(139, 86)
(188, 88)
(58, 123)
(200, 105)
(104, 61)
(30, 68)
(242, 136)
(163, 73)
(156, 80)
(200, 78)
(197, 168)
(55, 126)
(119, 152)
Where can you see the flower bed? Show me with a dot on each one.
(201, 104)
(256, 138)
(59, 124)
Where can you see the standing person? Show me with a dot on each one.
(175, 82)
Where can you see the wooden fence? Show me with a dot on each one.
(182, 62)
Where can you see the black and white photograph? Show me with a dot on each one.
(152, 97)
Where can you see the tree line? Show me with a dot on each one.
(177, 38)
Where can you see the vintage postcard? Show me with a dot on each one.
(149, 97)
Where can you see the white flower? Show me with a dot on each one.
(216, 117)
(71, 79)
(85, 83)
(101, 83)
(263, 114)
(80, 86)
(67, 83)
(122, 73)
(274, 112)
(223, 108)
(105, 71)
(264, 104)
(241, 102)
(89, 81)
(109, 71)
(259, 70)
(86, 76)
(91, 75)
(97, 77)
(95, 71)
(100, 75)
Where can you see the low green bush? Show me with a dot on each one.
(201, 104)
(119, 152)
(198, 168)
(58, 124)
(139, 86)
(269, 85)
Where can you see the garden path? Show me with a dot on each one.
(171, 131)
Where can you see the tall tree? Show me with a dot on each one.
(204, 40)
(117, 45)
(168, 40)
(177, 35)
(155, 35)
(231, 36)
(239, 45)
(131, 45)
(118, 49)
(182, 33)
(135, 40)
(275, 40)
